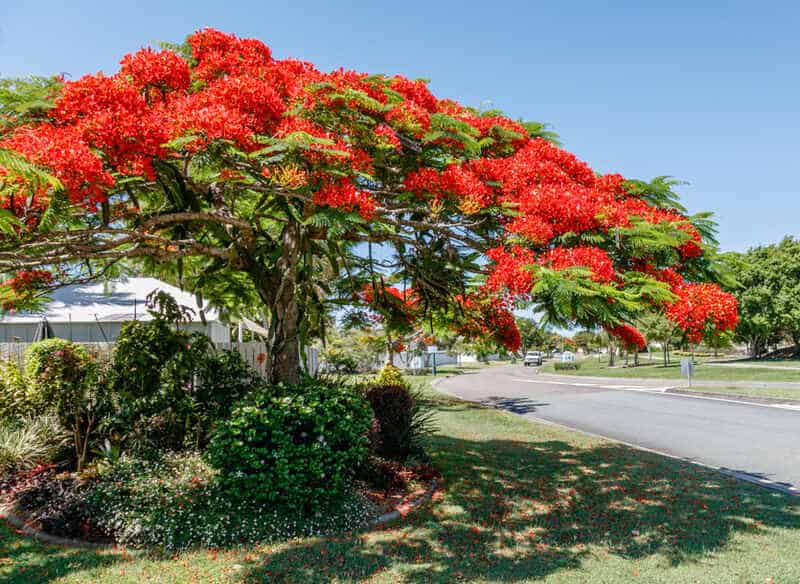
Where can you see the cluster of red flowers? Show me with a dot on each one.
(28, 280)
(629, 336)
(21, 287)
(490, 316)
(700, 306)
(220, 54)
(67, 155)
(456, 181)
(511, 269)
(343, 194)
(162, 70)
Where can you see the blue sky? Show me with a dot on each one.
(708, 92)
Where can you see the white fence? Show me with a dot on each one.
(253, 353)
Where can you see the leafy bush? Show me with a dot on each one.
(16, 401)
(402, 422)
(293, 446)
(152, 362)
(140, 352)
(28, 443)
(227, 378)
(55, 366)
(340, 360)
(391, 375)
(172, 387)
(177, 502)
(567, 366)
(63, 376)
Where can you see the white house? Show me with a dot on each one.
(95, 312)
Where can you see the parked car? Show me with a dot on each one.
(532, 358)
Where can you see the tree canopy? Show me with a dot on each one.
(768, 292)
(304, 189)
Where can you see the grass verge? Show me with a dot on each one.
(656, 370)
(523, 502)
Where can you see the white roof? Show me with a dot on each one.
(116, 301)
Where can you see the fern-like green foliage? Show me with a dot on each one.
(24, 100)
(659, 192)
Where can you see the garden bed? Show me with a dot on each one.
(67, 509)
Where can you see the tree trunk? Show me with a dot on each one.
(285, 345)
(611, 355)
(277, 288)
(389, 350)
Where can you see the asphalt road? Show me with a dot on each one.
(756, 442)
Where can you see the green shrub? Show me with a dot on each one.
(567, 366)
(296, 447)
(16, 401)
(227, 378)
(27, 443)
(140, 352)
(402, 422)
(150, 414)
(174, 402)
(391, 375)
(340, 360)
(65, 379)
(55, 366)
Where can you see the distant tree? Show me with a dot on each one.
(533, 335)
(659, 329)
(768, 292)
(586, 340)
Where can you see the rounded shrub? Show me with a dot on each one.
(296, 447)
(402, 423)
(391, 375)
(55, 369)
(566, 366)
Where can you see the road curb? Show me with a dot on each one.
(746, 399)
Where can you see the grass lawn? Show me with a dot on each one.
(656, 370)
(523, 502)
(770, 362)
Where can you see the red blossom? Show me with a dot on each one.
(703, 306)
(490, 316)
(65, 153)
(162, 70)
(629, 336)
(344, 195)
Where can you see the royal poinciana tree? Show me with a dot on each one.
(300, 188)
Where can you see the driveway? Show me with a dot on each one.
(760, 443)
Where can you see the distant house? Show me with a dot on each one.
(92, 313)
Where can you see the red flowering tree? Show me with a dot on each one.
(269, 178)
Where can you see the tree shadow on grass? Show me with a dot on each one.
(23, 559)
(515, 509)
